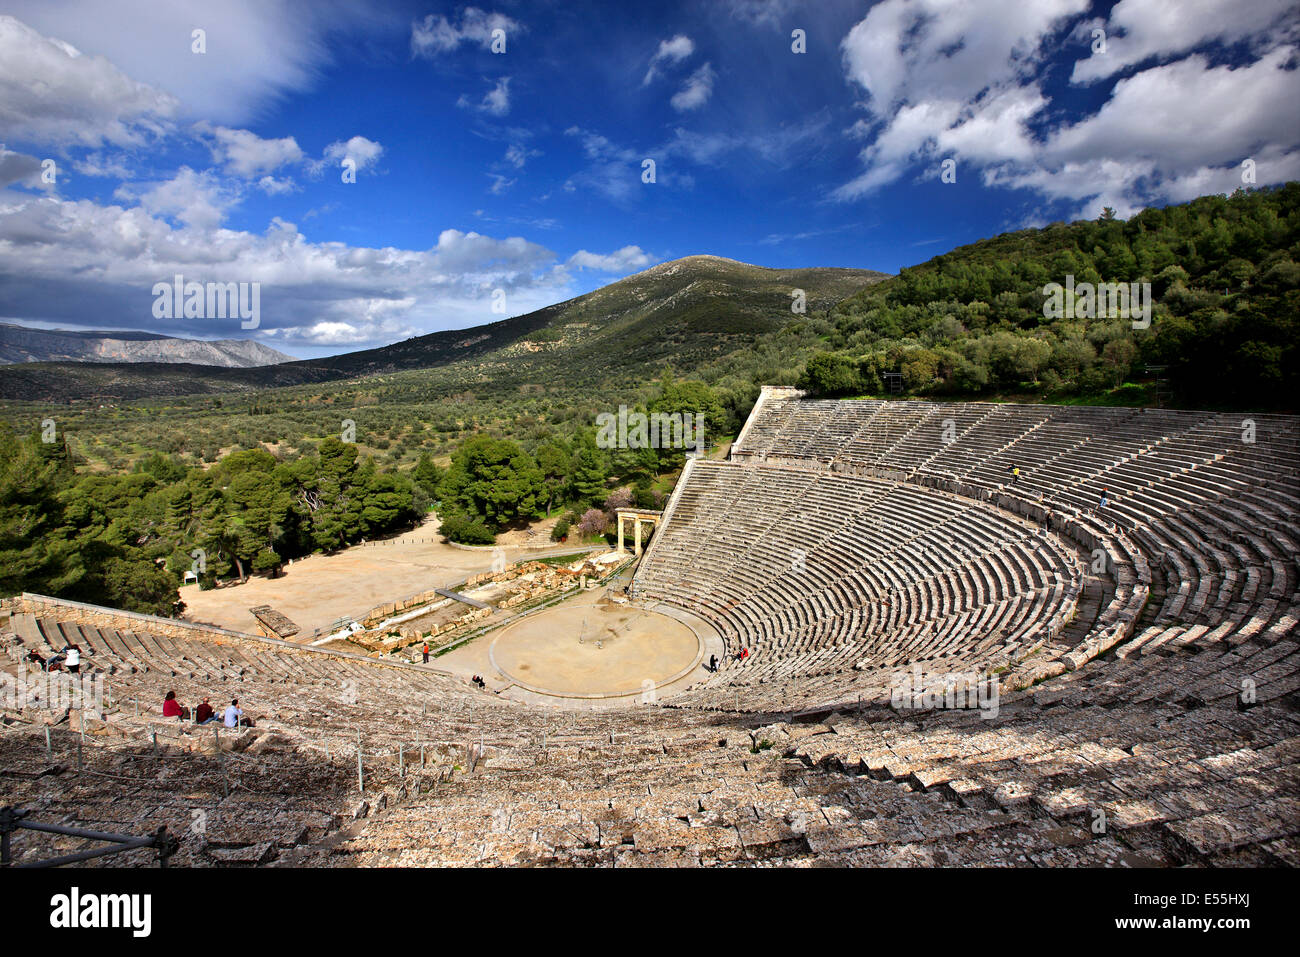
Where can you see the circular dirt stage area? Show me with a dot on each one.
(595, 650)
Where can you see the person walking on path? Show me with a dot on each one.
(426, 652)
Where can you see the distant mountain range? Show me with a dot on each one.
(684, 311)
(24, 344)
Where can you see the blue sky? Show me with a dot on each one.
(521, 171)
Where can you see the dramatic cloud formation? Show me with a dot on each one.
(257, 52)
(1141, 30)
(51, 93)
(170, 160)
(965, 83)
(74, 262)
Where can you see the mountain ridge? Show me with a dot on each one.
(21, 344)
(693, 307)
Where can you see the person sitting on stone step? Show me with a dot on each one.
(234, 717)
(173, 708)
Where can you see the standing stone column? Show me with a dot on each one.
(620, 532)
(636, 519)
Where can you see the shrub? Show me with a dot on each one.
(467, 531)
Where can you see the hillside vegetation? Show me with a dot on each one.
(128, 538)
(1225, 311)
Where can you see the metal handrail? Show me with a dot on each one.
(13, 819)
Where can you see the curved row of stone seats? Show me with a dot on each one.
(1189, 759)
(1124, 766)
(317, 696)
(1209, 500)
(1162, 750)
(236, 809)
(816, 573)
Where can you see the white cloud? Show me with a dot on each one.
(946, 78)
(696, 91)
(363, 152)
(495, 102)
(622, 260)
(244, 153)
(51, 93)
(772, 12)
(1139, 30)
(274, 187)
(1147, 115)
(19, 168)
(78, 263)
(195, 199)
(963, 82)
(437, 34)
(612, 170)
(670, 51)
(517, 155)
(257, 51)
(499, 184)
(935, 50)
(995, 128)
(103, 165)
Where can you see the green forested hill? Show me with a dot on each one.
(1225, 290)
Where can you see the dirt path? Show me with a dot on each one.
(316, 591)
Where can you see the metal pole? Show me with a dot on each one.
(162, 843)
(221, 762)
(401, 760)
(49, 748)
(361, 774)
(8, 823)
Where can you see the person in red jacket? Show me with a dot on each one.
(204, 712)
(172, 708)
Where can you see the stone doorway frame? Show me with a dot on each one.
(637, 516)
